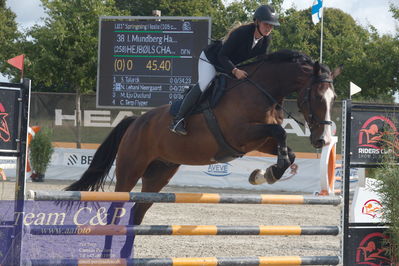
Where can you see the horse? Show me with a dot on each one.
(249, 115)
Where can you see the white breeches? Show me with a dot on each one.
(206, 72)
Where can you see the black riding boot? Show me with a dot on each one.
(177, 125)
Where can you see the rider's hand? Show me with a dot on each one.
(239, 74)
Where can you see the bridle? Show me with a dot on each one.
(313, 119)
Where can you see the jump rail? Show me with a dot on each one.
(180, 230)
(147, 197)
(247, 261)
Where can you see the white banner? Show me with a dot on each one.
(235, 175)
(69, 164)
(8, 162)
(366, 205)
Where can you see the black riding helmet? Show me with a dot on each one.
(267, 14)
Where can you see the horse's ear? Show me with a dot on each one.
(337, 71)
(316, 68)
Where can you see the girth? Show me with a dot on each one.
(226, 152)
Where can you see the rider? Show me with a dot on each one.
(242, 43)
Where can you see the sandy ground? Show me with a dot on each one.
(224, 214)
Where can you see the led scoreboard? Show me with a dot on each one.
(145, 62)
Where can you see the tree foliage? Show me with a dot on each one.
(368, 59)
(378, 70)
(395, 11)
(8, 35)
(223, 17)
(186, 8)
(239, 12)
(63, 53)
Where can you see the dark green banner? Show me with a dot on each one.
(57, 111)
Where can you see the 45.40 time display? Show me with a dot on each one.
(156, 65)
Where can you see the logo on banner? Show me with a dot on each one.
(373, 136)
(4, 131)
(219, 169)
(371, 252)
(72, 159)
(373, 208)
(78, 160)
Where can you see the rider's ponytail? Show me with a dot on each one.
(235, 25)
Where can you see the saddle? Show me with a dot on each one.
(209, 100)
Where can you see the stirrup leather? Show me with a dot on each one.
(176, 123)
(177, 126)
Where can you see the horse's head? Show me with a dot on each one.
(315, 102)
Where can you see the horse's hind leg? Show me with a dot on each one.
(285, 158)
(155, 178)
(127, 175)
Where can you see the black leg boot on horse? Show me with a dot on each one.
(177, 126)
(285, 156)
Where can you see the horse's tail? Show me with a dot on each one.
(94, 177)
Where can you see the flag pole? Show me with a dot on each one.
(321, 34)
(22, 69)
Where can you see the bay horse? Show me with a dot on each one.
(250, 115)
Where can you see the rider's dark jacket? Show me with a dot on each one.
(236, 49)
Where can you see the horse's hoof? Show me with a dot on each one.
(257, 177)
(269, 176)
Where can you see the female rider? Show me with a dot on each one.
(240, 44)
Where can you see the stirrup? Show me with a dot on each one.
(178, 128)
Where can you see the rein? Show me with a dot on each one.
(313, 118)
(271, 98)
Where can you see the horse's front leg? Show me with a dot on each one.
(113, 218)
(276, 144)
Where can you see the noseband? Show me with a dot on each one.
(312, 117)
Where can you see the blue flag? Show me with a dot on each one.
(317, 11)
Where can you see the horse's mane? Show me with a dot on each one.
(287, 56)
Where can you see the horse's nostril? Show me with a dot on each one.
(321, 142)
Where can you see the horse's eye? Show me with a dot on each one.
(319, 97)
